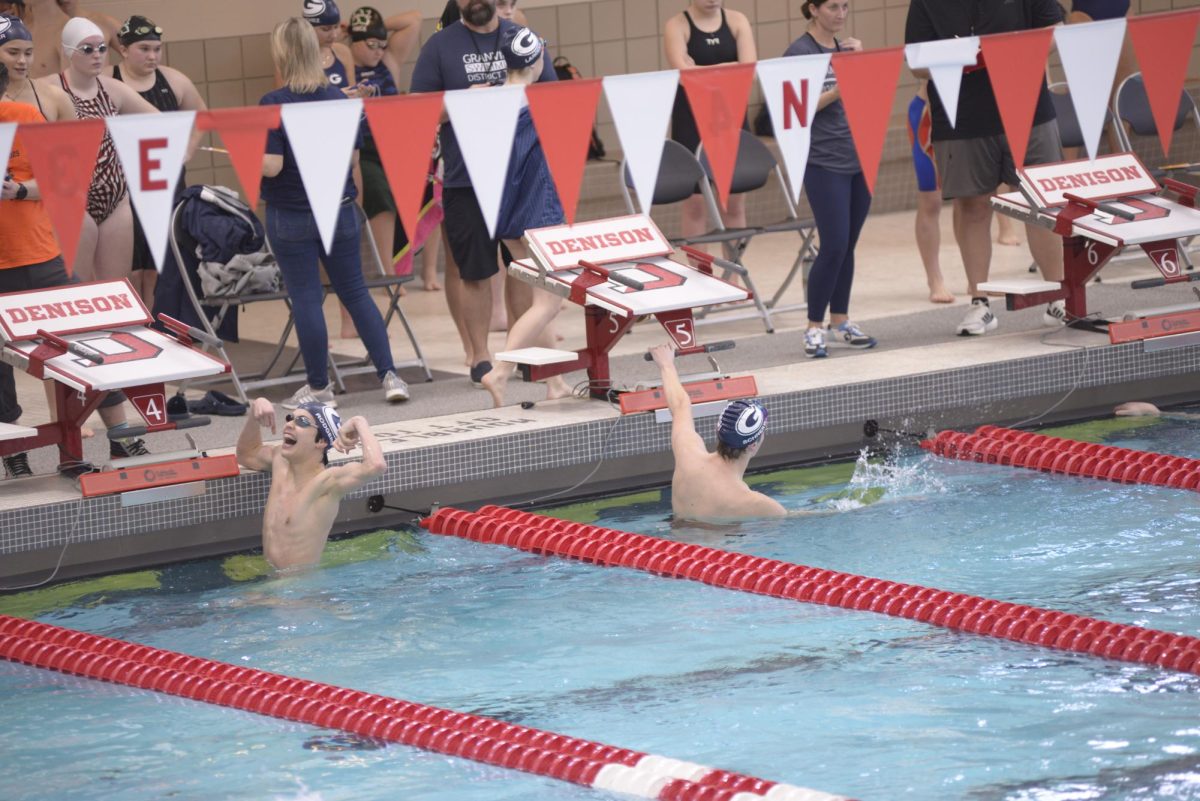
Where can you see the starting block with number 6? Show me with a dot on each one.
(92, 339)
(619, 270)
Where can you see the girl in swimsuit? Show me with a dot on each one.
(336, 61)
(106, 242)
(16, 53)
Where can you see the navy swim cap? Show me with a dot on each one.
(742, 424)
(322, 12)
(328, 421)
(521, 47)
(11, 28)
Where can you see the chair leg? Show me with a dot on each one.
(394, 308)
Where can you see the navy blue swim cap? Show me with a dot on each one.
(742, 424)
(328, 421)
(11, 28)
(322, 12)
(521, 47)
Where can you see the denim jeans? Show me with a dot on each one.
(296, 243)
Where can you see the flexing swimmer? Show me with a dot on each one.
(305, 496)
(708, 487)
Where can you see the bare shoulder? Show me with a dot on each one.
(737, 20)
(768, 506)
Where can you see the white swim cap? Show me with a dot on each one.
(77, 29)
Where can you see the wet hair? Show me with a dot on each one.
(3, 78)
(728, 453)
(807, 11)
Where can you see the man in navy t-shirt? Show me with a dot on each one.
(463, 55)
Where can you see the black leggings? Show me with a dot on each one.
(840, 203)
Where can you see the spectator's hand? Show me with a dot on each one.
(1137, 409)
(263, 412)
(850, 44)
(663, 355)
(9, 191)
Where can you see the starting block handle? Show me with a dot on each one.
(1150, 283)
(140, 431)
(182, 329)
(1104, 207)
(93, 356)
(712, 347)
(709, 261)
(604, 272)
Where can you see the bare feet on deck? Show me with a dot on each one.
(495, 381)
(939, 294)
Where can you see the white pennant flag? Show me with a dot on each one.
(322, 135)
(641, 109)
(485, 121)
(791, 88)
(7, 131)
(152, 148)
(1089, 53)
(945, 60)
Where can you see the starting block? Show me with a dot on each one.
(619, 270)
(1099, 208)
(91, 339)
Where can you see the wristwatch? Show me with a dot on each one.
(22, 192)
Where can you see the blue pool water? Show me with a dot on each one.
(849, 702)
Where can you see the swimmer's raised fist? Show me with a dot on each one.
(663, 355)
(348, 435)
(263, 412)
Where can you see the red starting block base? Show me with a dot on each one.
(159, 474)
(1154, 326)
(649, 400)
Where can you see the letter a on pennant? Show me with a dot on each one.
(718, 97)
(322, 137)
(641, 109)
(791, 87)
(152, 148)
(63, 156)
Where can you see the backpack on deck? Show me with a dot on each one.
(567, 72)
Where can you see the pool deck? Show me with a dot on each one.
(448, 445)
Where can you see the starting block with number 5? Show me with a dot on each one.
(619, 270)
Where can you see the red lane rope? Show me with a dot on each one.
(1013, 448)
(975, 614)
(474, 737)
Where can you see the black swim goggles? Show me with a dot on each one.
(302, 422)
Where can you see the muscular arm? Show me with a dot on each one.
(404, 29)
(351, 476)
(675, 43)
(251, 452)
(684, 439)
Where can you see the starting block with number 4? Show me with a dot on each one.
(92, 339)
(619, 270)
(1099, 208)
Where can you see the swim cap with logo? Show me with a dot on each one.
(367, 23)
(12, 29)
(139, 29)
(322, 12)
(77, 29)
(328, 421)
(742, 423)
(521, 47)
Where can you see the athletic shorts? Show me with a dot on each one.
(973, 167)
(473, 249)
(377, 193)
(920, 131)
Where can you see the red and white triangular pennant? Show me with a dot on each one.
(867, 82)
(244, 134)
(1016, 66)
(322, 136)
(791, 88)
(8, 130)
(1089, 54)
(945, 60)
(641, 110)
(485, 121)
(63, 156)
(563, 113)
(1163, 43)
(718, 97)
(404, 128)
(152, 149)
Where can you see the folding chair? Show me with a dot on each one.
(680, 174)
(377, 276)
(183, 246)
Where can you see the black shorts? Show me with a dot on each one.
(473, 250)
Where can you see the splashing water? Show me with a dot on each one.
(874, 481)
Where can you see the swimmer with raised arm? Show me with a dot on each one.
(305, 492)
(709, 487)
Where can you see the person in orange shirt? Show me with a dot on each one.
(30, 258)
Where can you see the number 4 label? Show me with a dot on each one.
(152, 408)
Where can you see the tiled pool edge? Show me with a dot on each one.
(495, 454)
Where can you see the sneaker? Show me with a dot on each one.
(127, 448)
(307, 394)
(814, 343)
(1055, 313)
(73, 470)
(850, 335)
(394, 388)
(979, 320)
(17, 466)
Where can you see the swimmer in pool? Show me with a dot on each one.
(1143, 409)
(708, 487)
(305, 495)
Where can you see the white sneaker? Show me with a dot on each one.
(814, 343)
(394, 388)
(979, 320)
(307, 394)
(849, 335)
(1055, 313)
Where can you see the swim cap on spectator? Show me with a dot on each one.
(77, 29)
(12, 29)
(328, 421)
(367, 23)
(322, 12)
(742, 423)
(522, 48)
(139, 29)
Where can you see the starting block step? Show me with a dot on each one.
(8, 431)
(537, 356)
(1020, 286)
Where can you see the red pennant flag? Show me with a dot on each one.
(404, 128)
(244, 133)
(718, 97)
(1016, 66)
(63, 157)
(1163, 43)
(563, 113)
(867, 82)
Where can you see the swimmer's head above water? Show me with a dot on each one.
(741, 428)
(323, 423)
